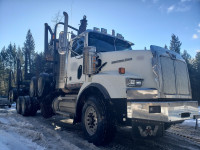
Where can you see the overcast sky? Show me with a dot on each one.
(143, 22)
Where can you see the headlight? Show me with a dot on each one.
(130, 82)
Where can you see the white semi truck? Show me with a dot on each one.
(97, 79)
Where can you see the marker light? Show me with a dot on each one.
(113, 32)
(120, 36)
(96, 29)
(104, 30)
(121, 70)
(53, 37)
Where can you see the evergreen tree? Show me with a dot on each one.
(4, 65)
(1, 74)
(175, 44)
(197, 62)
(10, 58)
(29, 51)
(4, 57)
(195, 78)
(165, 47)
(187, 57)
(39, 64)
(20, 55)
(14, 56)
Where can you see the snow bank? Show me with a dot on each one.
(14, 141)
(12, 132)
(191, 122)
(30, 133)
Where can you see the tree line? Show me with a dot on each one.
(192, 63)
(32, 62)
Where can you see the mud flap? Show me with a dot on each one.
(147, 128)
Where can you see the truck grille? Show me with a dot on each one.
(174, 76)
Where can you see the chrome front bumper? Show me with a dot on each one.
(142, 93)
(169, 111)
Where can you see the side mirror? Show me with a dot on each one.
(89, 60)
(63, 45)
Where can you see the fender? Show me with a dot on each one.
(95, 87)
(100, 87)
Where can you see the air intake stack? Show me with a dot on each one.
(63, 54)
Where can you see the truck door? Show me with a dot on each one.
(75, 76)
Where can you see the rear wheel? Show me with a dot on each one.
(34, 106)
(46, 106)
(19, 105)
(43, 87)
(98, 123)
(33, 87)
(12, 95)
(26, 106)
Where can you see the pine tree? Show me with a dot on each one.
(165, 47)
(4, 65)
(39, 63)
(14, 56)
(175, 44)
(186, 56)
(197, 62)
(4, 57)
(195, 77)
(10, 55)
(20, 55)
(2, 72)
(29, 51)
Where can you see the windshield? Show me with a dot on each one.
(104, 43)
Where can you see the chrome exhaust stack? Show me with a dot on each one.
(63, 54)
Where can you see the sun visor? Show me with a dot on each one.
(159, 51)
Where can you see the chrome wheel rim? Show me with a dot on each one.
(91, 120)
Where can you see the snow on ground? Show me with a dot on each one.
(36, 133)
(191, 122)
(10, 140)
(10, 136)
(18, 132)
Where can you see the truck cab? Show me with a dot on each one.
(144, 87)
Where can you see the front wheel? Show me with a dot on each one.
(98, 123)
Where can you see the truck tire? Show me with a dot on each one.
(33, 87)
(19, 104)
(43, 87)
(34, 106)
(12, 95)
(26, 106)
(46, 106)
(97, 121)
